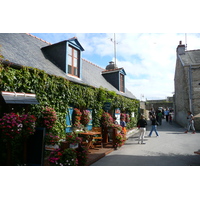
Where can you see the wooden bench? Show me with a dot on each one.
(197, 152)
(98, 139)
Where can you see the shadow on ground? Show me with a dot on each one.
(157, 160)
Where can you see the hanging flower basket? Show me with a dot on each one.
(28, 124)
(85, 118)
(48, 117)
(77, 119)
(107, 120)
(11, 125)
(14, 125)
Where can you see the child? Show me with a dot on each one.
(170, 118)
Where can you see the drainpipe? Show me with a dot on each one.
(190, 88)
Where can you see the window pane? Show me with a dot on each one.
(75, 62)
(75, 53)
(70, 50)
(121, 83)
(75, 72)
(69, 69)
(69, 60)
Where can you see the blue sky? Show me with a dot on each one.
(148, 58)
(146, 32)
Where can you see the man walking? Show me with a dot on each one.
(167, 114)
(141, 124)
(154, 126)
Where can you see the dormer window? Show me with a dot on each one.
(66, 55)
(115, 76)
(73, 61)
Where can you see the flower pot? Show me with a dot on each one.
(64, 145)
(77, 129)
(51, 147)
(73, 146)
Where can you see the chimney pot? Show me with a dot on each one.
(180, 48)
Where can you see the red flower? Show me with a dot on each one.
(59, 153)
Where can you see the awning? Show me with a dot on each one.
(198, 115)
(19, 98)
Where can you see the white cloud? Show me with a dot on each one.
(149, 59)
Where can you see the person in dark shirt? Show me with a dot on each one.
(141, 124)
(123, 125)
(167, 114)
(154, 124)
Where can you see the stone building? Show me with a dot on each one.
(187, 85)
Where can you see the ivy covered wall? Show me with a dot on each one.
(59, 93)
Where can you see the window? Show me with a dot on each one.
(73, 61)
(122, 83)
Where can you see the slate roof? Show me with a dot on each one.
(191, 57)
(25, 49)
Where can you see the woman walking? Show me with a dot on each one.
(190, 119)
(141, 124)
(154, 126)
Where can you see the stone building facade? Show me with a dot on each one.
(187, 85)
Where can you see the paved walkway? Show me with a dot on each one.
(172, 148)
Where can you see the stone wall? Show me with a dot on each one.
(182, 93)
(163, 104)
(181, 100)
(196, 94)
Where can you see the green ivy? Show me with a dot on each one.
(59, 93)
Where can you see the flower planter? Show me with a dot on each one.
(64, 145)
(51, 147)
(73, 146)
(77, 129)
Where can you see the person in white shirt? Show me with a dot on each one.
(190, 119)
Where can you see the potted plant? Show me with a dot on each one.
(120, 139)
(71, 141)
(15, 129)
(66, 157)
(82, 155)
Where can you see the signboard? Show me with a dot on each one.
(107, 106)
(117, 115)
(69, 120)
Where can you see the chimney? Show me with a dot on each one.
(180, 48)
(111, 66)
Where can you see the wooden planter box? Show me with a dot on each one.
(66, 145)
